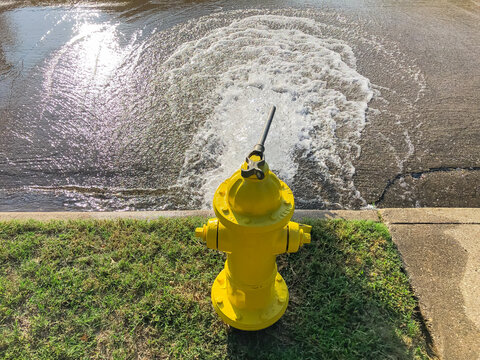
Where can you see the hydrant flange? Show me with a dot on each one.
(246, 318)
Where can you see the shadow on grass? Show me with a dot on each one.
(349, 299)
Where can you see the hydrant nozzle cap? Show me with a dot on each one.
(306, 236)
(200, 232)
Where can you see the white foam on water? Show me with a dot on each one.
(285, 61)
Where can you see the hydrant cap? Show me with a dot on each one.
(253, 203)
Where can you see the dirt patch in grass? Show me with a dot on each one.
(129, 289)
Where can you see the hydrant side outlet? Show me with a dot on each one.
(252, 226)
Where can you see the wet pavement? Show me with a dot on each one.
(148, 105)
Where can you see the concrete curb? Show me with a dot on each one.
(149, 215)
(389, 216)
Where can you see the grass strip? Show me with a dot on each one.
(130, 289)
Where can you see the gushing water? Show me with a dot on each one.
(268, 59)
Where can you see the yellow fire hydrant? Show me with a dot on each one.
(253, 226)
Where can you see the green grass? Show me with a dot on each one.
(138, 290)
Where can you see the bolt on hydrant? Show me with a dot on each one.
(253, 226)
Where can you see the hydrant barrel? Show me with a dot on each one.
(253, 268)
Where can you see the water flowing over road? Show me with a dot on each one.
(149, 105)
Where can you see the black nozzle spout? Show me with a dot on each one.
(254, 166)
(261, 144)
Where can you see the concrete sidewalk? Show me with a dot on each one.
(440, 248)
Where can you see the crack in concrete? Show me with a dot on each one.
(418, 175)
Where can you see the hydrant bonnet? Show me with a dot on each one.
(257, 205)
